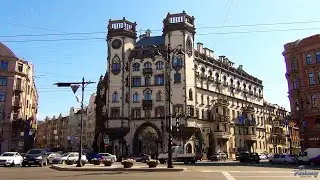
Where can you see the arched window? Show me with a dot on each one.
(115, 97)
(203, 70)
(217, 75)
(147, 65)
(190, 94)
(116, 66)
(147, 95)
(238, 83)
(314, 100)
(210, 73)
(177, 62)
(231, 81)
(136, 67)
(224, 78)
(136, 97)
(159, 65)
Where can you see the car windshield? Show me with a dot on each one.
(65, 154)
(7, 154)
(35, 151)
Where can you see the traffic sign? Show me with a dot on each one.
(106, 139)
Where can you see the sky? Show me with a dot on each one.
(61, 58)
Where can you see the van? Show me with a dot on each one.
(308, 154)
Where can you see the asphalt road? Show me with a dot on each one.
(215, 172)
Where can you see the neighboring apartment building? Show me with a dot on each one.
(18, 102)
(52, 133)
(91, 121)
(219, 107)
(302, 58)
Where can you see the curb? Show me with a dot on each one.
(59, 168)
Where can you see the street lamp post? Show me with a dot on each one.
(75, 86)
(168, 67)
(303, 122)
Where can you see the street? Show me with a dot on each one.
(224, 172)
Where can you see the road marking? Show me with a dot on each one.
(273, 172)
(267, 177)
(228, 176)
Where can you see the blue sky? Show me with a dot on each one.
(259, 53)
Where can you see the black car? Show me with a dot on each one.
(248, 157)
(35, 157)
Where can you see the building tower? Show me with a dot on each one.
(121, 38)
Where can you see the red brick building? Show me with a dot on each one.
(302, 59)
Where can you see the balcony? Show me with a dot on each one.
(18, 88)
(245, 91)
(222, 135)
(147, 71)
(250, 137)
(225, 83)
(250, 92)
(217, 81)
(17, 103)
(232, 86)
(222, 118)
(238, 88)
(222, 102)
(147, 104)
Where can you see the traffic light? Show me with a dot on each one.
(177, 123)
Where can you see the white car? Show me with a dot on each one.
(263, 156)
(68, 156)
(52, 156)
(108, 156)
(11, 159)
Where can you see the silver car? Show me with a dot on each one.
(108, 156)
(283, 159)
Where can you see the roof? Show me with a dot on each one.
(6, 52)
(153, 40)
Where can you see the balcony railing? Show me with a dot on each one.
(250, 92)
(251, 137)
(18, 88)
(17, 102)
(222, 118)
(221, 102)
(147, 104)
(217, 81)
(222, 134)
(238, 88)
(147, 71)
(232, 86)
(225, 83)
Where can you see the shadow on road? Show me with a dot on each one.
(261, 164)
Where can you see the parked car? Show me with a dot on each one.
(35, 157)
(51, 156)
(314, 161)
(142, 158)
(248, 157)
(93, 156)
(11, 159)
(68, 156)
(283, 159)
(263, 156)
(108, 156)
(218, 156)
(308, 154)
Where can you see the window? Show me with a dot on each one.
(177, 62)
(3, 81)
(20, 67)
(136, 81)
(202, 114)
(116, 66)
(159, 65)
(147, 95)
(159, 96)
(318, 56)
(190, 94)
(159, 79)
(135, 97)
(115, 112)
(159, 112)
(147, 80)
(2, 96)
(308, 59)
(147, 65)
(311, 79)
(209, 114)
(208, 100)
(136, 113)
(147, 113)
(4, 65)
(201, 98)
(295, 83)
(190, 110)
(115, 97)
(293, 65)
(177, 78)
(136, 67)
(314, 100)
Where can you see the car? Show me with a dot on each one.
(283, 159)
(51, 156)
(263, 156)
(248, 157)
(314, 161)
(218, 156)
(11, 159)
(142, 158)
(109, 156)
(35, 157)
(68, 156)
(93, 156)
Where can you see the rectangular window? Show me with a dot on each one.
(147, 80)
(318, 56)
(311, 79)
(177, 78)
(4, 65)
(2, 96)
(293, 65)
(3, 81)
(136, 81)
(295, 83)
(136, 113)
(115, 112)
(308, 59)
(20, 67)
(2, 115)
(136, 98)
(159, 79)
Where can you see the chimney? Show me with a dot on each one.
(240, 67)
(148, 33)
(200, 47)
(221, 58)
(211, 53)
(206, 51)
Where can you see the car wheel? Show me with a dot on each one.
(23, 165)
(162, 161)
(12, 164)
(41, 164)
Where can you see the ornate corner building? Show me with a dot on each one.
(18, 102)
(302, 59)
(214, 105)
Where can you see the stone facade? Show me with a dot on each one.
(214, 105)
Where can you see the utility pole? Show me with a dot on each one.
(74, 86)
